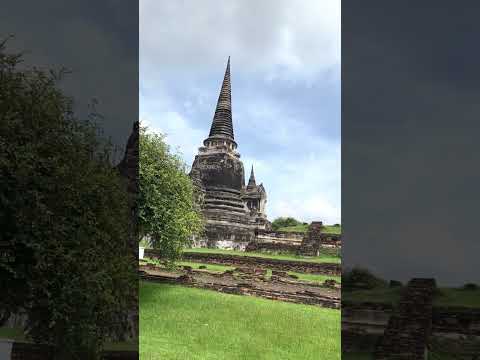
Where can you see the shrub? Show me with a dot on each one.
(284, 222)
(470, 287)
(359, 278)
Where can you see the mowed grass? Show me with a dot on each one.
(328, 229)
(457, 297)
(209, 267)
(323, 258)
(382, 295)
(317, 278)
(194, 324)
(12, 333)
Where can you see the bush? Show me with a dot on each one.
(395, 283)
(64, 213)
(470, 287)
(284, 222)
(359, 278)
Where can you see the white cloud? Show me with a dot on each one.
(302, 38)
(180, 135)
(184, 45)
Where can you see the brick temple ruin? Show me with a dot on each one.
(233, 212)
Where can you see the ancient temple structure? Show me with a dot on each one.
(233, 212)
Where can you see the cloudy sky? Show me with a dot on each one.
(410, 122)
(285, 68)
(97, 41)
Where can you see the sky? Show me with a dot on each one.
(285, 74)
(410, 130)
(97, 41)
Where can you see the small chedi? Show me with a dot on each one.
(233, 212)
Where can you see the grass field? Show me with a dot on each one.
(328, 229)
(446, 296)
(209, 267)
(12, 333)
(457, 297)
(323, 258)
(382, 295)
(318, 278)
(180, 323)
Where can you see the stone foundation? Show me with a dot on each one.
(237, 260)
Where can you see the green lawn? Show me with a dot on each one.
(194, 324)
(11, 333)
(445, 297)
(209, 267)
(328, 229)
(318, 278)
(323, 258)
(382, 295)
(457, 297)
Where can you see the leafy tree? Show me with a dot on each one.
(284, 222)
(168, 215)
(360, 278)
(64, 217)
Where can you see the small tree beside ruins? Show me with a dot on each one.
(168, 215)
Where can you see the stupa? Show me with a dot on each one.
(233, 212)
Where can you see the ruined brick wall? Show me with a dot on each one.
(410, 326)
(279, 235)
(315, 239)
(312, 240)
(465, 321)
(284, 265)
(272, 246)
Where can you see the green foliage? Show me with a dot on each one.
(359, 278)
(470, 286)
(168, 214)
(316, 278)
(327, 229)
(186, 323)
(284, 222)
(461, 297)
(64, 216)
(327, 257)
(380, 295)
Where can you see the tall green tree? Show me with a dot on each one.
(168, 214)
(64, 216)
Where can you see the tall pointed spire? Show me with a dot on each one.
(222, 120)
(251, 181)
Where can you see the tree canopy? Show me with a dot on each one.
(168, 214)
(64, 216)
(284, 222)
